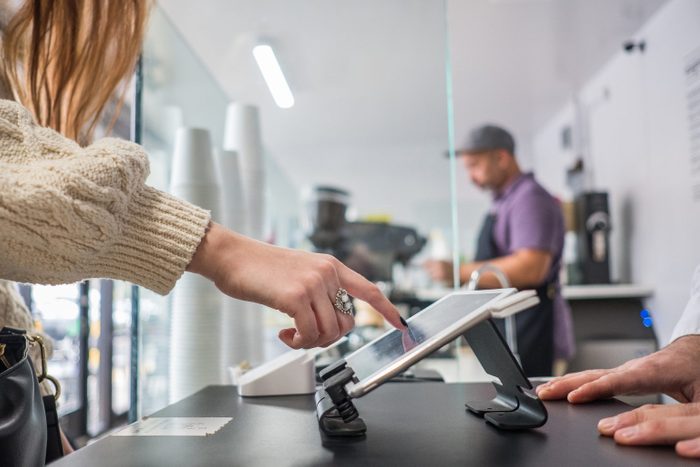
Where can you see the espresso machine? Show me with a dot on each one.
(593, 235)
(370, 248)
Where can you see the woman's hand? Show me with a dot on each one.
(300, 284)
(677, 424)
(673, 370)
(65, 444)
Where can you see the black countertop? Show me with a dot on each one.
(408, 424)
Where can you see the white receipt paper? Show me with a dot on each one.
(175, 426)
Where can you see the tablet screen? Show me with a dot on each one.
(422, 327)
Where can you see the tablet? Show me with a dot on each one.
(428, 330)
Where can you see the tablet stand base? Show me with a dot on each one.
(512, 408)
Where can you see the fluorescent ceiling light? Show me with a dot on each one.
(274, 78)
(515, 2)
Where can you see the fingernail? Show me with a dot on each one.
(690, 447)
(607, 424)
(403, 321)
(628, 433)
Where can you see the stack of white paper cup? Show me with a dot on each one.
(196, 308)
(242, 135)
(241, 321)
(233, 205)
(242, 339)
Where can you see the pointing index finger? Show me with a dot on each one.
(361, 288)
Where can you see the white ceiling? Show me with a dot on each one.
(369, 79)
(532, 54)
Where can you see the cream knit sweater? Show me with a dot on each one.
(69, 213)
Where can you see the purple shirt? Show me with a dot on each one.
(528, 217)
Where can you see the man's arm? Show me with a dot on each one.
(523, 268)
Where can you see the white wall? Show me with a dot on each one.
(638, 149)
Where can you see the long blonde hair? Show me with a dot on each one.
(64, 59)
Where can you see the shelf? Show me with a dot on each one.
(569, 292)
(601, 291)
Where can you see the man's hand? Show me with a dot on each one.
(440, 270)
(657, 424)
(673, 370)
(524, 268)
(300, 284)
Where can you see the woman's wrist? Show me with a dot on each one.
(204, 258)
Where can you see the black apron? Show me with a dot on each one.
(535, 327)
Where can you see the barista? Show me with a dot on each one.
(523, 236)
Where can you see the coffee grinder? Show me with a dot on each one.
(593, 225)
(370, 248)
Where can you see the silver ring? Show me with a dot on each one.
(343, 302)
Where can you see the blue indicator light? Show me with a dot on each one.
(647, 322)
(644, 313)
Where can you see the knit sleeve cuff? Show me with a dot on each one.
(159, 238)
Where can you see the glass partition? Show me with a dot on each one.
(178, 91)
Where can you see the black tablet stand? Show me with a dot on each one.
(511, 409)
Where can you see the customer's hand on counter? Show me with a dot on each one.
(673, 370)
(300, 284)
(653, 424)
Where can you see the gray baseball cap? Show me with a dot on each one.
(487, 138)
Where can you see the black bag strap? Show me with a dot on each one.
(54, 448)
